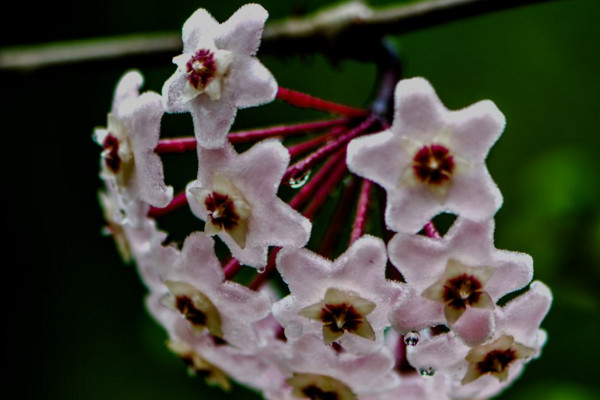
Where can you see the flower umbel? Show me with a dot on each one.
(313, 268)
(219, 73)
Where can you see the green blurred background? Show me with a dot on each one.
(78, 328)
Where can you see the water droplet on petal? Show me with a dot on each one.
(262, 269)
(412, 338)
(297, 181)
(426, 371)
(119, 217)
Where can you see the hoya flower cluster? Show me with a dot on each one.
(402, 313)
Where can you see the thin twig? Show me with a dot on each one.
(339, 31)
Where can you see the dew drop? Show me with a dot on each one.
(261, 270)
(426, 371)
(119, 217)
(297, 181)
(412, 338)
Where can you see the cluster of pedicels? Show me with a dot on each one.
(403, 312)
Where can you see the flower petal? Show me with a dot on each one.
(242, 32)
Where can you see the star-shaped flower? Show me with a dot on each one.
(198, 365)
(346, 300)
(116, 220)
(219, 73)
(413, 386)
(431, 159)
(136, 235)
(455, 280)
(317, 373)
(195, 291)
(236, 195)
(218, 362)
(220, 359)
(484, 370)
(128, 157)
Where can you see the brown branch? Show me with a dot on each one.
(340, 32)
(32, 57)
(344, 31)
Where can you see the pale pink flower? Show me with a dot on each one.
(136, 235)
(347, 300)
(455, 280)
(484, 370)
(128, 158)
(195, 290)
(313, 370)
(431, 159)
(236, 196)
(413, 385)
(219, 73)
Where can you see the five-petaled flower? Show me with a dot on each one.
(431, 159)
(455, 280)
(195, 289)
(236, 196)
(219, 73)
(199, 366)
(484, 370)
(346, 300)
(318, 372)
(128, 143)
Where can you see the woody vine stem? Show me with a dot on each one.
(331, 32)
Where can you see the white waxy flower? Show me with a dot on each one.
(196, 291)
(315, 372)
(455, 280)
(128, 142)
(236, 195)
(219, 73)
(482, 371)
(347, 300)
(431, 159)
(197, 365)
(135, 234)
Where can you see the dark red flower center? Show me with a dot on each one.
(496, 361)
(201, 68)
(111, 153)
(433, 164)
(461, 291)
(185, 306)
(341, 317)
(315, 393)
(221, 210)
